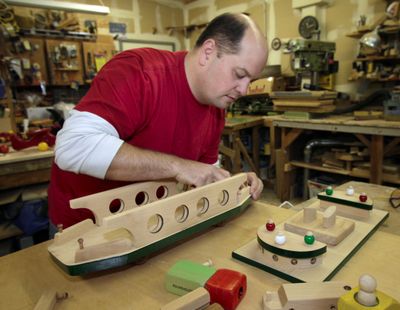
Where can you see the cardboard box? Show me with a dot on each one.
(266, 85)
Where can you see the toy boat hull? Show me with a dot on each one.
(120, 239)
(137, 255)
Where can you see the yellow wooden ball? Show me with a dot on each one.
(43, 146)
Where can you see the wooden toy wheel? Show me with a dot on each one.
(395, 198)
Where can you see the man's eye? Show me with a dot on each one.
(239, 76)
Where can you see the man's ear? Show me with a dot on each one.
(207, 50)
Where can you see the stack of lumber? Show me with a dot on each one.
(341, 158)
(304, 101)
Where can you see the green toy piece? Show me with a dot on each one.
(186, 276)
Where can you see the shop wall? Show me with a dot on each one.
(144, 19)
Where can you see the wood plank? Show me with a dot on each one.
(289, 136)
(392, 144)
(302, 103)
(305, 296)
(25, 178)
(282, 177)
(255, 139)
(363, 139)
(319, 109)
(226, 151)
(246, 156)
(27, 154)
(376, 159)
(301, 164)
(25, 166)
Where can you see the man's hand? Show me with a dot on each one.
(256, 185)
(199, 174)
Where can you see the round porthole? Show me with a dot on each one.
(223, 198)
(202, 206)
(116, 206)
(181, 213)
(141, 198)
(155, 223)
(162, 192)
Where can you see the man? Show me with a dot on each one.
(153, 114)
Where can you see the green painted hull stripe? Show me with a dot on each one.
(146, 251)
(353, 204)
(295, 280)
(289, 253)
(266, 268)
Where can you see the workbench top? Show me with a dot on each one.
(26, 274)
(31, 153)
(344, 123)
(25, 167)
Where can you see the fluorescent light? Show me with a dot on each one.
(65, 6)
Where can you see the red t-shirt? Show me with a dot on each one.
(145, 95)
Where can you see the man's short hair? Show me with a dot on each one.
(227, 30)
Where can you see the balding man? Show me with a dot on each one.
(153, 114)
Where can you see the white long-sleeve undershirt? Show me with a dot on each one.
(86, 144)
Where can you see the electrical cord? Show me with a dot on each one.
(395, 198)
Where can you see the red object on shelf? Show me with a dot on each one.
(227, 288)
(5, 136)
(4, 149)
(34, 138)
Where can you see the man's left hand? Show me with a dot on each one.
(256, 185)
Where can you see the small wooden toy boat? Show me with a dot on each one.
(313, 244)
(135, 221)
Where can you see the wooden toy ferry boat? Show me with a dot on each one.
(135, 221)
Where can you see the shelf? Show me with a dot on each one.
(47, 33)
(358, 173)
(375, 80)
(302, 164)
(67, 69)
(378, 58)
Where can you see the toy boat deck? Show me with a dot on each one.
(135, 221)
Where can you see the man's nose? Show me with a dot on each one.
(242, 87)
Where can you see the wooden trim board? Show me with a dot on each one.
(342, 198)
(333, 259)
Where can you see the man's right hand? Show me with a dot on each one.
(199, 174)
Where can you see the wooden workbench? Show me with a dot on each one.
(370, 132)
(25, 167)
(25, 275)
(233, 147)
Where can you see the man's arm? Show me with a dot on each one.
(133, 164)
(90, 145)
(150, 165)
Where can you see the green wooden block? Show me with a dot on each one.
(185, 276)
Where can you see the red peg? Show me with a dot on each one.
(270, 225)
(363, 197)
